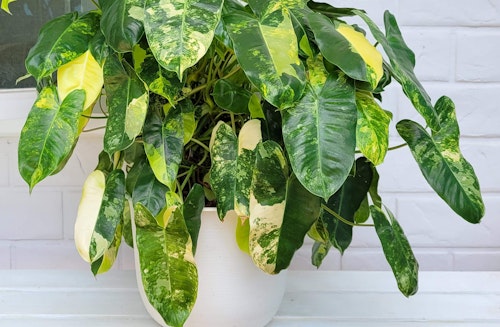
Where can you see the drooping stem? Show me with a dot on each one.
(342, 219)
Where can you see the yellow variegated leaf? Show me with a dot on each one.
(82, 73)
(5, 5)
(88, 211)
(366, 50)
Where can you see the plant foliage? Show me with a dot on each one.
(268, 109)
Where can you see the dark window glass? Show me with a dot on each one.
(19, 31)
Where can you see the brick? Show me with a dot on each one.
(47, 255)
(4, 167)
(434, 259)
(302, 260)
(450, 13)
(23, 217)
(71, 199)
(477, 260)
(364, 259)
(125, 259)
(428, 222)
(434, 50)
(375, 9)
(4, 255)
(477, 56)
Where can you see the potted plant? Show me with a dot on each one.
(270, 110)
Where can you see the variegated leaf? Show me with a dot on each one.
(231, 96)
(60, 41)
(402, 66)
(281, 210)
(168, 272)
(145, 188)
(83, 73)
(442, 163)
(189, 121)
(158, 79)
(320, 135)
(243, 234)
(49, 134)
(5, 5)
(109, 216)
(121, 23)
(250, 135)
(163, 142)
(347, 49)
(224, 153)
(88, 211)
(127, 100)
(180, 32)
(372, 128)
(267, 50)
(106, 261)
(397, 251)
(345, 202)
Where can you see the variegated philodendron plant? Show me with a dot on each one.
(269, 109)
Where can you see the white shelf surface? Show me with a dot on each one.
(65, 298)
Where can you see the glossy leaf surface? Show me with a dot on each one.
(127, 101)
(250, 135)
(347, 49)
(372, 128)
(346, 202)
(167, 267)
(180, 32)
(402, 66)
(84, 73)
(192, 208)
(60, 41)
(320, 135)
(120, 23)
(49, 134)
(109, 216)
(163, 142)
(267, 50)
(397, 251)
(442, 163)
(224, 152)
(230, 96)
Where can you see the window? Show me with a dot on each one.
(18, 33)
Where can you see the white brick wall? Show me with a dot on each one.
(457, 45)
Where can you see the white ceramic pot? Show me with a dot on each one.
(232, 292)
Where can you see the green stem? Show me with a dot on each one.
(342, 219)
(206, 148)
(397, 147)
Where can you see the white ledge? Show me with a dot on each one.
(313, 299)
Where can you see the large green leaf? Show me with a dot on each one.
(127, 100)
(168, 272)
(49, 134)
(180, 32)
(119, 23)
(442, 163)
(224, 152)
(146, 189)
(267, 50)
(397, 251)
(230, 96)
(106, 261)
(345, 202)
(109, 217)
(163, 142)
(192, 208)
(281, 210)
(320, 135)
(402, 66)
(60, 41)
(372, 128)
(347, 49)
(250, 135)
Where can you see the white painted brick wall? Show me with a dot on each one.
(457, 44)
